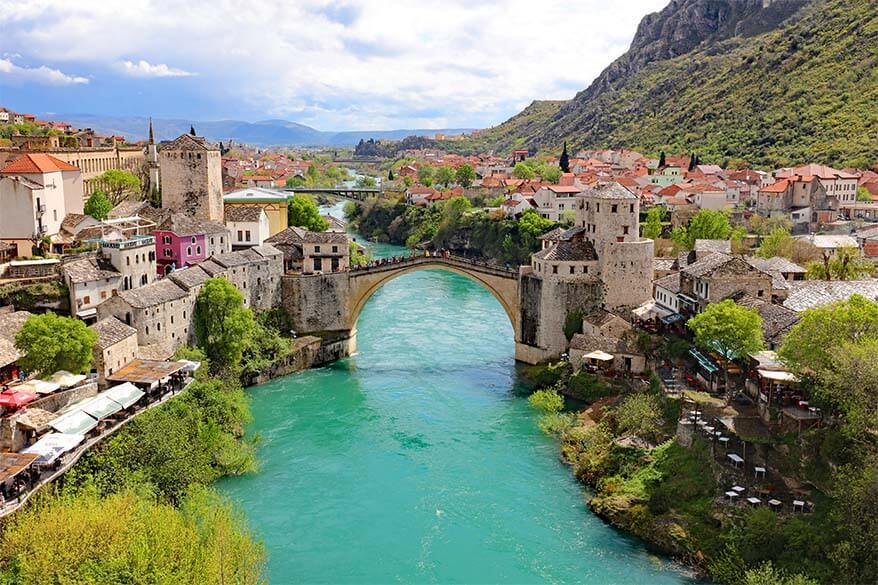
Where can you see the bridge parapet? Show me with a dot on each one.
(392, 264)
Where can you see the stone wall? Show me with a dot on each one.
(316, 303)
(627, 272)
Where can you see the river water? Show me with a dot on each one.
(418, 460)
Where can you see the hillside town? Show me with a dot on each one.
(124, 237)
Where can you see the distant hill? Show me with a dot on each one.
(770, 82)
(263, 133)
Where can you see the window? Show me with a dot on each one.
(317, 249)
(572, 269)
(318, 264)
(240, 236)
(335, 248)
(198, 249)
(555, 269)
(211, 241)
(247, 233)
(625, 229)
(104, 294)
(168, 253)
(137, 259)
(614, 208)
(128, 261)
(172, 319)
(598, 207)
(166, 239)
(222, 240)
(158, 326)
(86, 299)
(193, 239)
(189, 251)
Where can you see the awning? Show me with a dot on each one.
(778, 376)
(99, 406)
(672, 318)
(125, 394)
(708, 366)
(75, 422)
(190, 366)
(87, 313)
(598, 355)
(38, 387)
(16, 399)
(651, 309)
(52, 446)
(11, 464)
(65, 379)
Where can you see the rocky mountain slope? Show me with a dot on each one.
(770, 82)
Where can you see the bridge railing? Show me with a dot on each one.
(383, 264)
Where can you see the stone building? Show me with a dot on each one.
(273, 203)
(312, 252)
(116, 346)
(718, 277)
(191, 178)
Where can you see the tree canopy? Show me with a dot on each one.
(845, 264)
(119, 184)
(466, 175)
(98, 205)
(523, 171)
(425, 175)
(652, 227)
(704, 225)
(52, 343)
(730, 329)
(444, 176)
(302, 212)
(223, 325)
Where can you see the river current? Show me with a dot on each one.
(418, 460)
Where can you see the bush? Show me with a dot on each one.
(587, 387)
(557, 423)
(547, 401)
(640, 415)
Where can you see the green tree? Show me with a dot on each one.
(223, 325)
(296, 181)
(729, 329)
(366, 182)
(766, 574)
(704, 225)
(550, 174)
(408, 181)
(640, 415)
(390, 176)
(358, 256)
(51, 343)
(523, 171)
(425, 175)
(661, 161)
(846, 264)
(302, 212)
(652, 227)
(863, 195)
(546, 401)
(119, 184)
(466, 175)
(778, 243)
(856, 510)
(564, 161)
(444, 176)
(98, 205)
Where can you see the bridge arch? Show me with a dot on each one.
(501, 284)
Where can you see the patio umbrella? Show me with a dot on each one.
(16, 399)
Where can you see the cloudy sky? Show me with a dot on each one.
(353, 64)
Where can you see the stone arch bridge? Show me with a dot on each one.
(329, 305)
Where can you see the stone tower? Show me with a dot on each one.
(191, 178)
(152, 161)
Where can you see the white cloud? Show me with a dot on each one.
(145, 69)
(42, 74)
(370, 64)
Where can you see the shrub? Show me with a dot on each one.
(547, 401)
(641, 415)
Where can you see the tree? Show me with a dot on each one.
(223, 325)
(863, 194)
(51, 343)
(390, 175)
(192, 130)
(856, 510)
(425, 175)
(119, 184)
(564, 161)
(704, 225)
(778, 243)
(359, 257)
(766, 574)
(366, 182)
(466, 175)
(846, 264)
(302, 212)
(296, 181)
(640, 415)
(652, 227)
(661, 161)
(728, 329)
(98, 205)
(546, 401)
(523, 171)
(550, 174)
(444, 176)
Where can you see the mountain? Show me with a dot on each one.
(263, 133)
(770, 82)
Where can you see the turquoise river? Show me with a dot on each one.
(418, 460)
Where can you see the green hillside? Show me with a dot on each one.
(807, 90)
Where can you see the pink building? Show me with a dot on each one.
(181, 241)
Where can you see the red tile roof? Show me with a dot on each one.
(778, 187)
(36, 164)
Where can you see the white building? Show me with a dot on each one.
(248, 226)
(36, 192)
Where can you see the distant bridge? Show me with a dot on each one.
(362, 159)
(350, 193)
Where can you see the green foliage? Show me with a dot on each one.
(778, 243)
(28, 297)
(728, 328)
(863, 195)
(556, 423)
(302, 212)
(466, 175)
(573, 323)
(52, 343)
(265, 345)
(119, 184)
(704, 225)
(652, 227)
(546, 375)
(523, 171)
(130, 537)
(425, 175)
(640, 415)
(546, 401)
(366, 182)
(98, 205)
(444, 176)
(358, 257)
(766, 574)
(846, 264)
(587, 387)
(856, 510)
(223, 326)
(549, 173)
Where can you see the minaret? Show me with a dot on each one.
(152, 161)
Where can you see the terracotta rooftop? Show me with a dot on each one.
(36, 164)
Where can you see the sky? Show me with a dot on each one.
(347, 65)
